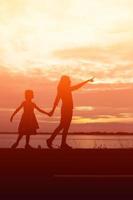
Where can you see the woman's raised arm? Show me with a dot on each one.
(76, 87)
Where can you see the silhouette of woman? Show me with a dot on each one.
(28, 124)
(64, 93)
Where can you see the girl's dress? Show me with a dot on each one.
(28, 124)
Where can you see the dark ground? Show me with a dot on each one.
(74, 174)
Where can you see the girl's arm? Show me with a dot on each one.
(76, 87)
(15, 112)
(40, 110)
(57, 99)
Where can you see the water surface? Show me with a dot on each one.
(76, 141)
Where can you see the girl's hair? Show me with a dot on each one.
(29, 93)
(64, 83)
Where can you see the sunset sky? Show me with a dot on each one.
(40, 40)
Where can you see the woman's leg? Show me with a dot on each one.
(64, 136)
(17, 142)
(52, 137)
(67, 123)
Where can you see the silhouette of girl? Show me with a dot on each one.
(28, 124)
(64, 93)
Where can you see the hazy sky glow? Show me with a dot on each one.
(41, 40)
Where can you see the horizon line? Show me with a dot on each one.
(76, 133)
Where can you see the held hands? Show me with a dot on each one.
(50, 114)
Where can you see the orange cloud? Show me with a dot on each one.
(41, 41)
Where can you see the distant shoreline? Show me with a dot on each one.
(76, 133)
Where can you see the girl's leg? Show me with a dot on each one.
(52, 137)
(27, 140)
(17, 142)
(27, 145)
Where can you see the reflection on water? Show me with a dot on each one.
(76, 141)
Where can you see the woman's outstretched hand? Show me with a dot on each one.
(91, 80)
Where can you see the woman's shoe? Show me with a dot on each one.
(28, 147)
(14, 146)
(49, 143)
(65, 147)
